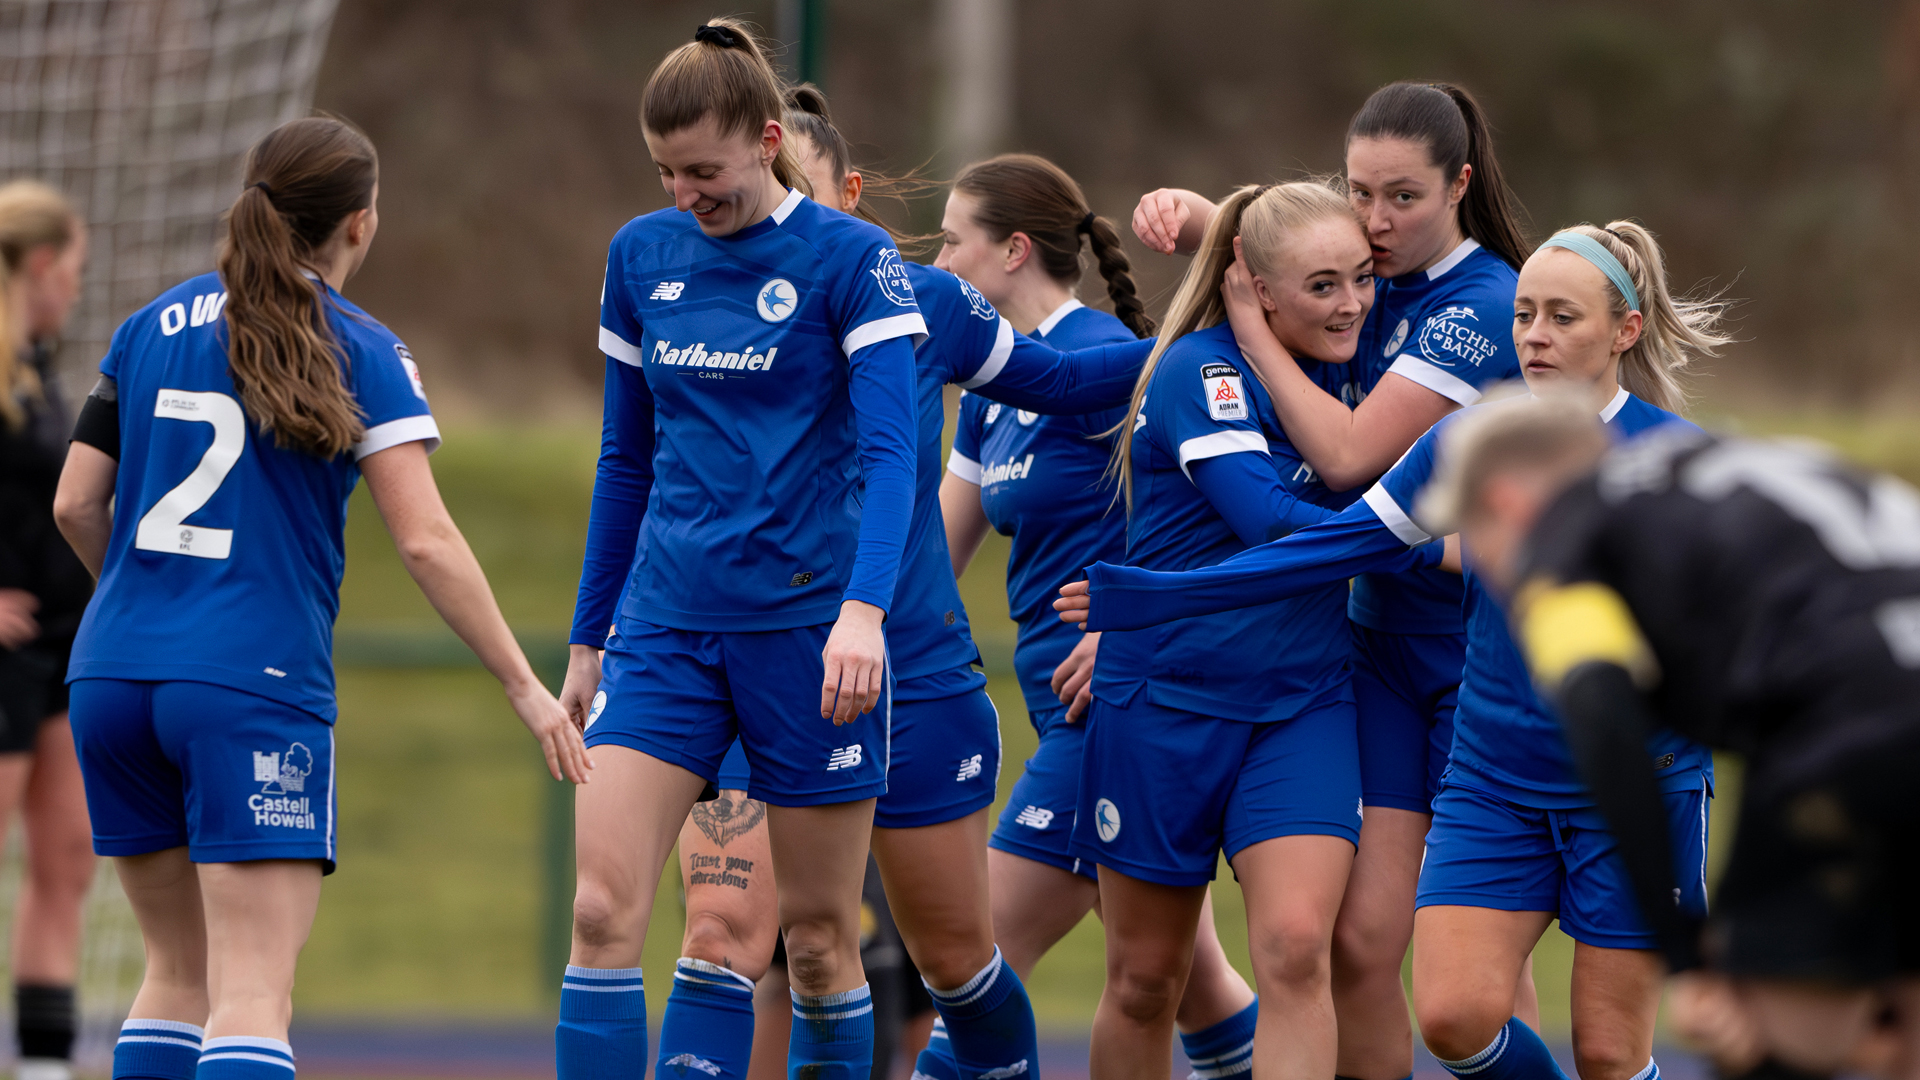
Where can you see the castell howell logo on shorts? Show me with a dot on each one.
(777, 300)
(281, 800)
(1106, 820)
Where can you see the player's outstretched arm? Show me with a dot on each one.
(1171, 221)
(83, 503)
(437, 556)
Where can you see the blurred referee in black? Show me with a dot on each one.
(1762, 598)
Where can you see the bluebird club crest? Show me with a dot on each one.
(777, 300)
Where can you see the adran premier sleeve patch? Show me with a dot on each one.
(1225, 396)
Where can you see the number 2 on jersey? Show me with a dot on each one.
(163, 528)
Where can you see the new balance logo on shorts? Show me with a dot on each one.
(1034, 817)
(969, 768)
(847, 757)
(281, 774)
(668, 290)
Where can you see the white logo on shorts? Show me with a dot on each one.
(282, 775)
(1360, 807)
(1106, 820)
(969, 768)
(847, 757)
(1034, 817)
(599, 706)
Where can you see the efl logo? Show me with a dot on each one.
(668, 290)
(969, 768)
(847, 757)
(1034, 817)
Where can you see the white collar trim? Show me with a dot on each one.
(1453, 259)
(787, 205)
(1046, 325)
(1613, 407)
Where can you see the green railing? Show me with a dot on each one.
(547, 652)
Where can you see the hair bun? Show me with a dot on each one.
(717, 35)
(807, 98)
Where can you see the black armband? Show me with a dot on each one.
(99, 423)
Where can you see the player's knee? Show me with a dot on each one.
(951, 961)
(816, 950)
(1456, 1028)
(1604, 1056)
(1361, 946)
(717, 940)
(1146, 984)
(1292, 950)
(599, 918)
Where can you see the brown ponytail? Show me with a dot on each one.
(1448, 121)
(32, 215)
(1028, 194)
(723, 73)
(302, 180)
(808, 117)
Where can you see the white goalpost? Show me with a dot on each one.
(140, 110)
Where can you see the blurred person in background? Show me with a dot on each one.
(43, 591)
(1422, 174)
(1014, 228)
(1764, 598)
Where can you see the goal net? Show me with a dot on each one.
(140, 111)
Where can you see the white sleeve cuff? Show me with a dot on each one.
(996, 360)
(1394, 518)
(619, 348)
(1219, 444)
(964, 467)
(394, 432)
(885, 329)
(1444, 383)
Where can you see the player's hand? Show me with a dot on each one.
(17, 625)
(583, 682)
(1158, 219)
(1709, 1016)
(1074, 603)
(558, 734)
(1073, 679)
(856, 660)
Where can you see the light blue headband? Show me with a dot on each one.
(1596, 253)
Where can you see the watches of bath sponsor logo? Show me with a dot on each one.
(599, 706)
(1226, 398)
(891, 273)
(713, 363)
(1034, 817)
(1454, 336)
(977, 303)
(282, 800)
(1011, 469)
(777, 300)
(1398, 339)
(1106, 820)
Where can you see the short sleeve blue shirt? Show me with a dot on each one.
(1506, 740)
(1043, 481)
(225, 558)
(1260, 664)
(1450, 329)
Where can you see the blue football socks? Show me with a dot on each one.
(936, 1061)
(244, 1057)
(989, 1024)
(157, 1050)
(1224, 1049)
(707, 1033)
(603, 1024)
(832, 1036)
(1515, 1054)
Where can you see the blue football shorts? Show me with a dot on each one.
(230, 776)
(683, 696)
(1037, 822)
(1164, 791)
(1485, 851)
(1405, 687)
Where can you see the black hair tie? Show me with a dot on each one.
(262, 185)
(1086, 223)
(717, 35)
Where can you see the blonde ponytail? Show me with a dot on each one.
(1674, 331)
(32, 215)
(1263, 216)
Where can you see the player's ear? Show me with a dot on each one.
(1267, 301)
(1629, 333)
(1019, 249)
(850, 192)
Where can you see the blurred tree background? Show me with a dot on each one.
(1774, 146)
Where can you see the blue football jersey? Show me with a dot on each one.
(1450, 329)
(1043, 482)
(1262, 663)
(736, 491)
(225, 559)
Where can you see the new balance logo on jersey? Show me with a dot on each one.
(969, 768)
(282, 774)
(1009, 470)
(1006, 1072)
(847, 757)
(688, 1061)
(1303, 474)
(696, 355)
(1034, 817)
(668, 290)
